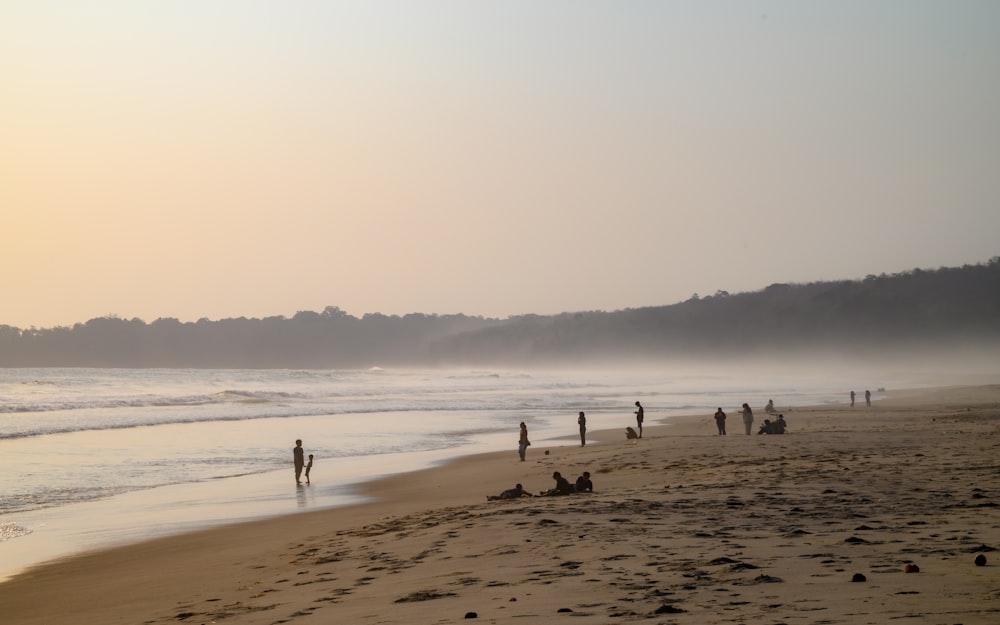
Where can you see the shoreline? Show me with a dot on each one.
(653, 498)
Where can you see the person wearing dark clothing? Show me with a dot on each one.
(563, 487)
(583, 483)
(639, 417)
(868, 399)
(299, 459)
(582, 420)
(720, 421)
(510, 493)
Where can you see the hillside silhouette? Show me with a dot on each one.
(949, 309)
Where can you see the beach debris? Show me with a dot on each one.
(854, 540)
(512, 599)
(564, 610)
(471, 615)
(980, 560)
(911, 568)
(858, 577)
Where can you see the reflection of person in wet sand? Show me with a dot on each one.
(298, 457)
(510, 493)
(309, 466)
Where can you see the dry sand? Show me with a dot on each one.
(684, 527)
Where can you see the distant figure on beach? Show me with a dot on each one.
(766, 427)
(523, 442)
(769, 408)
(309, 466)
(639, 417)
(852, 399)
(720, 421)
(868, 399)
(511, 493)
(778, 427)
(563, 487)
(582, 420)
(583, 483)
(630, 433)
(298, 457)
(747, 418)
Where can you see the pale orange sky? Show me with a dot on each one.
(243, 158)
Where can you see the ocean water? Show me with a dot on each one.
(91, 457)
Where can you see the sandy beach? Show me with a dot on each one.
(684, 526)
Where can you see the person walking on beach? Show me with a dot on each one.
(868, 399)
(523, 442)
(639, 417)
(720, 421)
(852, 399)
(582, 420)
(309, 466)
(298, 458)
(747, 418)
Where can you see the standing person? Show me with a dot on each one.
(582, 420)
(852, 399)
(747, 418)
(639, 417)
(868, 399)
(523, 442)
(720, 421)
(298, 457)
(309, 466)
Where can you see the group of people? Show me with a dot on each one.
(299, 460)
(769, 427)
(583, 484)
(868, 399)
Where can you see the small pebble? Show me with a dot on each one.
(980, 560)
(471, 615)
(911, 568)
(858, 577)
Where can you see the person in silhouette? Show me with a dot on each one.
(747, 418)
(510, 493)
(523, 442)
(852, 399)
(720, 421)
(868, 399)
(562, 487)
(769, 408)
(582, 420)
(309, 466)
(778, 427)
(639, 417)
(298, 458)
(584, 484)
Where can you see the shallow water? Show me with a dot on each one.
(93, 457)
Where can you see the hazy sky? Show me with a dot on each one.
(240, 158)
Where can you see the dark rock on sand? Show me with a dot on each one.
(858, 577)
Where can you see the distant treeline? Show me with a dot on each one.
(948, 307)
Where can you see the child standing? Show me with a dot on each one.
(309, 466)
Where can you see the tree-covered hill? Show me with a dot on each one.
(944, 308)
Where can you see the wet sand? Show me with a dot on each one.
(684, 527)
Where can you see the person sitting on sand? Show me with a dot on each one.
(630, 433)
(583, 483)
(765, 428)
(778, 427)
(563, 487)
(511, 493)
(769, 408)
